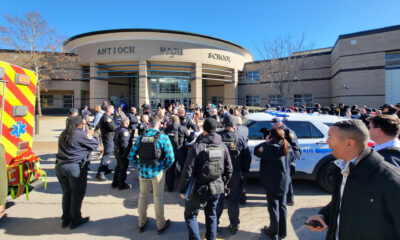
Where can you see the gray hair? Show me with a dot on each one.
(125, 121)
(354, 129)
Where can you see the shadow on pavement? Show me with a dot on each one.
(298, 219)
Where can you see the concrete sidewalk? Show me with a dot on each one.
(113, 213)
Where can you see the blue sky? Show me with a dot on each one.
(247, 23)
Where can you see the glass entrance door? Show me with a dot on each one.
(167, 91)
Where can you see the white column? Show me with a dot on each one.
(197, 85)
(144, 95)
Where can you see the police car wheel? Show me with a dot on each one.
(325, 177)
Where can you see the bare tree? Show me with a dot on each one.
(37, 46)
(285, 58)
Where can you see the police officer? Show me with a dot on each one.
(207, 150)
(107, 128)
(143, 124)
(241, 159)
(186, 121)
(133, 121)
(178, 135)
(295, 153)
(71, 169)
(121, 143)
(275, 178)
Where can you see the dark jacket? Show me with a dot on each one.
(121, 141)
(194, 159)
(78, 149)
(107, 127)
(187, 122)
(133, 122)
(391, 155)
(274, 167)
(182, 134)
(370, 207)
(244, 157)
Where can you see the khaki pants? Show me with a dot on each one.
(158, 195)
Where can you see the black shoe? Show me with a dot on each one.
(141, 229)
(243, 202)
(166, 226)
(265, 230)
(234, 228)
(126, 186)
(100, 176)
(291, 203)
(114, 185)
(107, 171)
(79, 222)
(65, 223)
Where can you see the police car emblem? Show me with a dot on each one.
(184, 120)
(109, 120)
(126, 134)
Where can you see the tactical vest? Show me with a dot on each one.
(232, 144)
(176, 140)
(213, 163)
(148, 152)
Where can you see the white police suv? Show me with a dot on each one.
(311, 131)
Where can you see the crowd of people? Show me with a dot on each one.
(210, 167)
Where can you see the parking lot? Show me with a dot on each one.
(113, 213)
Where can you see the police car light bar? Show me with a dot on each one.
(278, 114)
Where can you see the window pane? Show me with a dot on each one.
(302, 129)
(254, 129)
(315, 132)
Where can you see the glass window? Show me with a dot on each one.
(253, 76)
(303, 99)
(85, 70)
(46, 101)
(68, 101)
(252, 100)
(392, 59)
(315, 133)
(217, 100)
(255, 127)
(302, 129)
(275, 100)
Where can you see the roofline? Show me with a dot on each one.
(150, 30)
(366, 32)
(293, 56)
(28, 51)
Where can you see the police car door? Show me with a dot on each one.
(311, 136)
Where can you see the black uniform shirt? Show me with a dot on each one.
(79, 147)
(121, 140)
(187, 122)
(107, 127)
(133, 121)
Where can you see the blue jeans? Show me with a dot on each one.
(191, 212)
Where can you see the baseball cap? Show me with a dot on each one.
(229, 120)
(276, 120)
(210, 125)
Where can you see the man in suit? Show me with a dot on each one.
(366, 189)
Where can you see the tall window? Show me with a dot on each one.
(303, 99)
(392, 78)
(253, 76)
(68, 101)
(46, 100)
(85, 72)
(217, 100)
(275, 100)
(252, 100)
